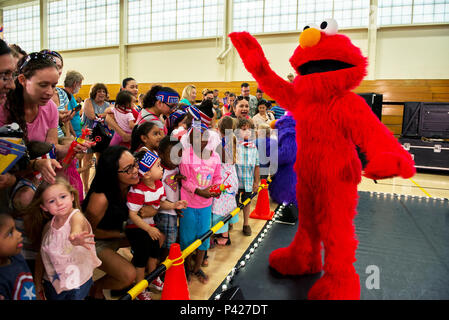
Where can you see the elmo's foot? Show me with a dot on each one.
(336, 287)
(290, 262)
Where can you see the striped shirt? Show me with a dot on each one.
(141, 195)
(63, 102)
(278, 111)
(247, 160)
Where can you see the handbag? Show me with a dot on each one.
(101, 135)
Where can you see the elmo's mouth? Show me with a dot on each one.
(317, 66)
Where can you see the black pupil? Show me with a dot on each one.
(323, 25)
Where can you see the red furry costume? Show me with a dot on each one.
(330, 121)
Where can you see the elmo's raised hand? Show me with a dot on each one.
(250, 51)
(389, 164)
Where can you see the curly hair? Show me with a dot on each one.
(97, 87)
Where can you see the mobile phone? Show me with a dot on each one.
(77, 108)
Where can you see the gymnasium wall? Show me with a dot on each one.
(400, 53)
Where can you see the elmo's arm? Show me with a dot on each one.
(257, 64)
(386, 157)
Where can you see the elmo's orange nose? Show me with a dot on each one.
(309, 37)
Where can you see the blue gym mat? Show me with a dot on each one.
(403, 239)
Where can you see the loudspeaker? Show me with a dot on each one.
(374, 101)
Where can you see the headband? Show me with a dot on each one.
(147, 162)
(199, 115)
(167, 97)
(175, 116)
(196, 124)
(194, 112)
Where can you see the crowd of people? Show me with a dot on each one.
(173, 167)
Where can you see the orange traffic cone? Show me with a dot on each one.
(262, 210)
(175, 284)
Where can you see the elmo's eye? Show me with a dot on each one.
(310, 25)
(329, 27)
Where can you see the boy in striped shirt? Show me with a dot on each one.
(141, 231)
(247, 166)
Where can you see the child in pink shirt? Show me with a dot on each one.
(124, 117)
(67, 248)
(201, 167)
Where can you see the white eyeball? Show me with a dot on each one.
(329, 27)
(310, 25)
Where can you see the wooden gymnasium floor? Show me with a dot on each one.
(223, 259)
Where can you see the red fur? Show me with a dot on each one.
(330, 121)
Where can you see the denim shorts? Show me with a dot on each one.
(194, 223)
(168, 225)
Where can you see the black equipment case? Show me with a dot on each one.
(426, 119)
(428, 153)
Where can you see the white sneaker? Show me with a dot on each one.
(158, 284)
(144, 295)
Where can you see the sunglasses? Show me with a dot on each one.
(35, 56)
(240, 98)
(52, 53)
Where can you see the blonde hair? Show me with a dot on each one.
(35, 218)
(265, 127)
(186, 92)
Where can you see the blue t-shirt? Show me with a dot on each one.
(16, 281)
(76, 121)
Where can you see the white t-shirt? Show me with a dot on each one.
(171, 187)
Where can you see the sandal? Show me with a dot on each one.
(202, 277)
(227, 243)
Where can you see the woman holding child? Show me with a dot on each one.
(105, 208)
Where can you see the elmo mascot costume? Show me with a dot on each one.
(330, 121)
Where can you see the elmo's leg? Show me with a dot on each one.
(337, 231)
(302, 256)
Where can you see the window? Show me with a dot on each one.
(425, 11)
(158, 20)
(248, 15)
(399, 12)
(74, 24)
(280, 17)
(258, 16)
(21, 25)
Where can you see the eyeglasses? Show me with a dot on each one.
(37, 56)
(129, 169)
(171, 106)
(7, 75)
